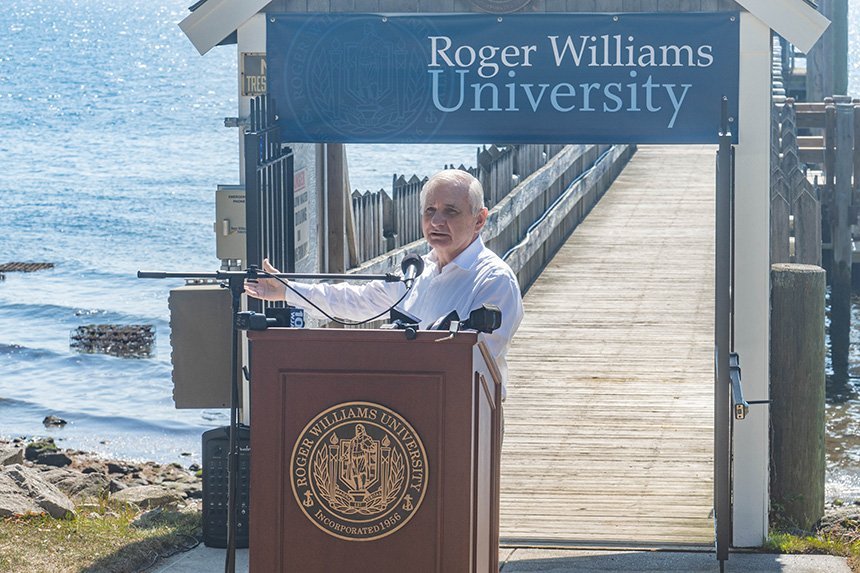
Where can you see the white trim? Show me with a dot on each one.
(794, 20)
(214, 20)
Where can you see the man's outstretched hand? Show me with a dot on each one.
(266, 288)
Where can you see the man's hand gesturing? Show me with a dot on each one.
(265, 288)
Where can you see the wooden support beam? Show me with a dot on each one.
(336, 208)
(842, 219)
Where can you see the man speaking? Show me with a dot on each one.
(460, 274)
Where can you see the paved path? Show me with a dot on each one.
(206, 560)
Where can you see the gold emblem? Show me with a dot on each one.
(357, 470)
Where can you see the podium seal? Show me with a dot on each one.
(359, 471)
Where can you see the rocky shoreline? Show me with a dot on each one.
(38, 478)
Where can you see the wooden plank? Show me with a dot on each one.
(609, 417)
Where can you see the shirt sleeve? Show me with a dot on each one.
(503, 291)
(345, 300)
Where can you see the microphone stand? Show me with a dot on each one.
(235, 281)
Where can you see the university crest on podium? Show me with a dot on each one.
(359, 471)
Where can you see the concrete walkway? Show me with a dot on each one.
(516, 560)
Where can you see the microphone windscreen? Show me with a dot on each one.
(485, 319)
(412, 260)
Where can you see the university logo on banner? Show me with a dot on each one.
(566, 78)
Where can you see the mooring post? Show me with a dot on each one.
(797, 393)
(840, 279)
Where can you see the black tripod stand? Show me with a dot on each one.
(235, 281)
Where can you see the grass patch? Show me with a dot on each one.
(103, 538)
(826, 544)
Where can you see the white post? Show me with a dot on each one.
(250, 38)
(752, 281)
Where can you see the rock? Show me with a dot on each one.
(13, 501)
(43, 494)
(120, 468)
(53, 422)
(10, 455)
(147, 496)
(39, 447)
(185, 489)
(79, 486)
(55, 459)
(115, 486)
(840, 518)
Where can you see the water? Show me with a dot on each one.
(843, 419)
(112, 145)
(843, 393)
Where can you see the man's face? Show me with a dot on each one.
(447, 221)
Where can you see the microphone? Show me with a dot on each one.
(485, 319)
(412, 266)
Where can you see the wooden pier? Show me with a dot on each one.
(609, 415)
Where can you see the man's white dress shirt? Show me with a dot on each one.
(476, 276)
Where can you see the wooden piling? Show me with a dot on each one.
(842, 219)
(797, 393)
(335, 208)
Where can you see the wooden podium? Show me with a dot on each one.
(372, 453)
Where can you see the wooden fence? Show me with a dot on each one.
(795, 209)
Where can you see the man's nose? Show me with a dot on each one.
(437, 219)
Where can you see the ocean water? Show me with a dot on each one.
(112, 145)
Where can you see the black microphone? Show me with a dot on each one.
(412, 266)
(485, 319)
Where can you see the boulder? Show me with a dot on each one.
(13, 501)
(120, 468)
(10, 455)
(34, 449)
(53, 422)
(185, 489)
(30, 485)
(78, 486)
(56, 459)
(147, 496)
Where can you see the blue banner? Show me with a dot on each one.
(539, 78)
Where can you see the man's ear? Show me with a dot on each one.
(482, 219)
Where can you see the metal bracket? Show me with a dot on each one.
(741, 406)
(236, 122)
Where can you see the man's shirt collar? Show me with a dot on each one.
(466, 259)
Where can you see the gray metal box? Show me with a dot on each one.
(230, 222)
(201, 320)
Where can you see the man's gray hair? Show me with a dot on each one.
(461, 180)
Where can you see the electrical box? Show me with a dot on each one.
(230, 237)
(201, 335)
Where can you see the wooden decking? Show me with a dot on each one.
(609, 416)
